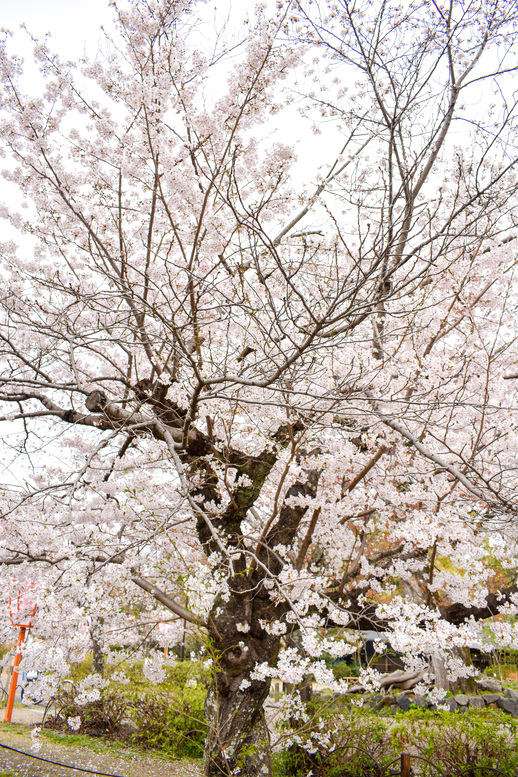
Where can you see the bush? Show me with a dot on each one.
(102, 717)
(471, 740)
(501, 671)
(362, 744)
(342, 668)
(185, 672)
(171, 720)
(353, 744)
(174, 725)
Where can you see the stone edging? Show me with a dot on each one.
(460, 703)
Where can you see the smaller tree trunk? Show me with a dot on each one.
(441, 675)
(463, 684)
(97, 650)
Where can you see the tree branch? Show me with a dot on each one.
(166, 600)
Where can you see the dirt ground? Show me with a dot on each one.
(123, 763)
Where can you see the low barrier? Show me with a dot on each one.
(407, 765)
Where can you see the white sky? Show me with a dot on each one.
(74, 26)
(72, 23)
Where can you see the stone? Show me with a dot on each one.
(376, 702)
(490, 698)
(420, 701)
(403, 702)
(462, 700)
(508, 706)
(451, 704)
(489, 684)
(476, 702)
(510, 693)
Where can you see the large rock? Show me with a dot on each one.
(403, 702)
(489, 684)
(490, 698)
(376, 702)
(451, 704)
(510, 693)
(462, 700)
(476, 702)
(508, 706)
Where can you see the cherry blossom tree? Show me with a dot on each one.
(270, 396)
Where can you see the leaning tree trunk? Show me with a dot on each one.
(238, 740)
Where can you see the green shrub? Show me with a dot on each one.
(500, 671)
(185, 672)
(362, 743)
(81, 670)
(174, 724)
(341, 668)
(478, 740)
(171, 720)
(102, 717)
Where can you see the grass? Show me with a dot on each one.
(14, 728)
(101, 746)
(96, 745)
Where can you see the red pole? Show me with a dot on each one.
(14, 676)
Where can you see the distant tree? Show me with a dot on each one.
(274, 407)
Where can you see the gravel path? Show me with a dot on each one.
(123, 762)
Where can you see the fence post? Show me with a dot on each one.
(405, 764)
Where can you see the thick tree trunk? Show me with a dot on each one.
(238, 742)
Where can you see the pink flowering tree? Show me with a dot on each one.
(270, 396)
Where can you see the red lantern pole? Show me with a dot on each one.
(14, 675)
(16, 617)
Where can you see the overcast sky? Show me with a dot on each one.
(72, 23)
